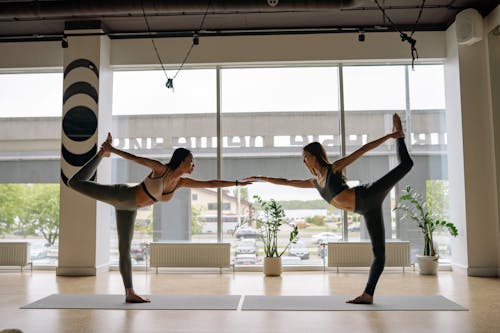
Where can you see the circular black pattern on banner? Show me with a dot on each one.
(85, 63)
(78, 159)
(79, 123)
(64, 178)
(80, 88)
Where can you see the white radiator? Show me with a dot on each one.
(359, 254)
(190, 255)
(14, 254)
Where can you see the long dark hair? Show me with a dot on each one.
(178, 157)
(318, 151)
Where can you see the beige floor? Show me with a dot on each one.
(480, 295)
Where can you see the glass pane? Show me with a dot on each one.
(270, 143)
(30, 213)
(372, 95)
(285, 89)
(429, 177)
(374, 88)
(31, 95)
(427, 87)
(152, 121)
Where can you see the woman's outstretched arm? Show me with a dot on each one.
(342, 163)
(216, 183)
(306, 183)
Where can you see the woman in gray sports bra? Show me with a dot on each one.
(163, 180)
(365, 200)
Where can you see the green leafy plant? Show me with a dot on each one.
(274, 216)
(414, 207)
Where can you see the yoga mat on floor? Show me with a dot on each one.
(338, 303)
(117, 302)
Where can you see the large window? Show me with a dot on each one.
(30, 121)
(268, 115)
(372, 95)
(151, 120)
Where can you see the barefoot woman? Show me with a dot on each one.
(159, 185)
(364, 199)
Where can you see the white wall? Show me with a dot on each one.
(289, 48)
(472, 150)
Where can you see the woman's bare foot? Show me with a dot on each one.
(397, 127)
(105, 150)
(363, 299)
(132, 297)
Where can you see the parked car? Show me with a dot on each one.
(322, 251)
(247, 245)
(245, 259)
(289, 260)
(246, 233)
(53, 251)
(299, 249)
(138, 251)
(325, 237)
(354, 226)
(38, 250)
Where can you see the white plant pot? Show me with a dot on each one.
(427, 265)
(272, 266)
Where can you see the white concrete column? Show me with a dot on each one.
(86, 119)
(472, 166)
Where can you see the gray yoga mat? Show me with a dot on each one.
(338, 303)
(117, 302)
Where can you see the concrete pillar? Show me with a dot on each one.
(86, 119)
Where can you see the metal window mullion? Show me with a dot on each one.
(219, 155)
(342, 143)
(407, 130)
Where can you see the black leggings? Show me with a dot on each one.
(369, 199)
(122, 197)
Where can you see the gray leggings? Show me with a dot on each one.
(122, 197)
(369, 198)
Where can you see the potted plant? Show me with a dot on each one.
(269, 228)
(413, 205)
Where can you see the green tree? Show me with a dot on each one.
(437, 198)
(243, 193)
(41, 211)
(196, 227)
(316, 220)
(10, 206)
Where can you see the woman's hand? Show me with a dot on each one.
(397, 134)
(252, 179)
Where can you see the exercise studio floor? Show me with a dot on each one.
(480, 295)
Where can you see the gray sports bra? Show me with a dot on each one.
(334, 184)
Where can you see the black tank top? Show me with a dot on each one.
(334, 184)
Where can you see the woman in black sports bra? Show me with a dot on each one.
(365, 200)
(159, 185)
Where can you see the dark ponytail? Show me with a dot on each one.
(178, 157)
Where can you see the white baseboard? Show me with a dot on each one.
(459, 268)
(482, 271)
(82, 271)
